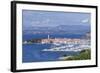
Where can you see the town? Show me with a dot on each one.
(63, 44)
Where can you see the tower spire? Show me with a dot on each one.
(48, 36)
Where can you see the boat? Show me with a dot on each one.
(56, 44)
(68, 48)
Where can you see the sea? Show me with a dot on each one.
(34, 52)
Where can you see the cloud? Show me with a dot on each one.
(41, 22)
(35, 22)
(85, 20)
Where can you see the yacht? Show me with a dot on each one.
(68, 48)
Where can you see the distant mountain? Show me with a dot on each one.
(87, 35)
(74, 28)
(59, 29)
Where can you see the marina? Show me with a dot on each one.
(77, 48)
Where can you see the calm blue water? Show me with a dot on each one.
(36, 36)
(34, 53)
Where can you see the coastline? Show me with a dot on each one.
(84, 55)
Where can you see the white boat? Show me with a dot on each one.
(67, 48)
(56, 44)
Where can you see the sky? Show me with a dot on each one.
(35, 18)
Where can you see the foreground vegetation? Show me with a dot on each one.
(83, 55)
